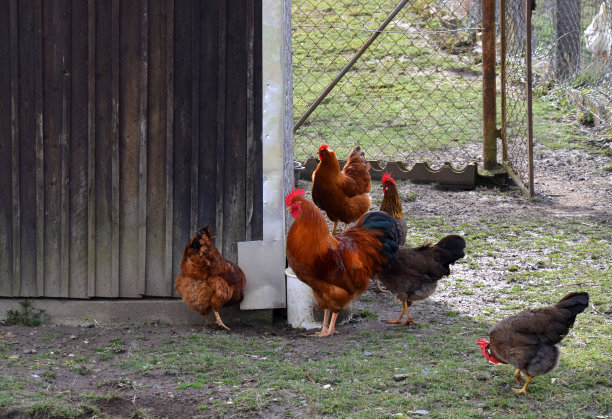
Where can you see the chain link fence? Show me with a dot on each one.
(572, 48)
(414, 95)
(517, 145)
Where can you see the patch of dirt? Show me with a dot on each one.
(569, 183)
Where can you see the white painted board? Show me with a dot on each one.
(263, 263)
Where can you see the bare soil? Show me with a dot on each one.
(569, 183)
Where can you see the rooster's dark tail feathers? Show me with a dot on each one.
(384, 223)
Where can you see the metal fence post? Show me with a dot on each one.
(489, 154)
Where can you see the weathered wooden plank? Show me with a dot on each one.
(40, 179)
(64, 177)
(234, 226)
(156, 283)
(195, 115)
(250, 109)
(49, 162)
(209, 92)
(101, 194)
(115, 145)
(91, 148)
(26, 209)
(15, 279)
(6, 210)
(78, 73)
(142, 163)
(221, 125)
(183, 30)
(168, 277)
(256, 159)
(129, 104)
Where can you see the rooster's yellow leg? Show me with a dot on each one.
(219, 322)
(379, 288)
(324, 329)
(524, 389)
(206, 317)
(332, 324)
(517, 376)
(399, 319)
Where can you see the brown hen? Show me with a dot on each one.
(343, 195)
(527, 339)
(207, 281)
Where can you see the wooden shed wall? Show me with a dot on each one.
(124, 126)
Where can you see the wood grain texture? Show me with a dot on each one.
(6, 165)
(137, 123)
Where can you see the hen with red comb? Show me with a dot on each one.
(392, 205)
(528, 339)
(342, 194)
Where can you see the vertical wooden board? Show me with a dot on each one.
(156, 282)
(91, 148)
(256, 160)
(250, 108)
(129, 145)
(26, 113)
(102, 188)
(220, 154)
(52, 73)
(79, 79)
(115, 144)
(143, 139)
(40, 179)
(181, 203)
(234, 226)
(16, 218)
(195, 115)
(6, 167)
(168, 253)
(209, 88)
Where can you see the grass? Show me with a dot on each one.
(401, 84)
(445, 374)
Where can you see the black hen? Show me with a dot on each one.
(414, 273)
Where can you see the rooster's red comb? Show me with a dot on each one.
(387, 178)
(323, 146)
(294, 192)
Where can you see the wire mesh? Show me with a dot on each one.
(414, 95)
(515, 89)
(572, 44)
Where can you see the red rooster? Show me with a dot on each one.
(337, 268)
(343, 195)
